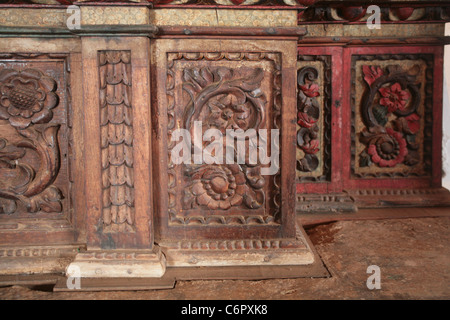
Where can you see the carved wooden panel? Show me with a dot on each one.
(116, 140)
(392, 105)
(313, 118)
(223, 91)
(35, 136)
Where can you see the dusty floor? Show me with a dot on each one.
(413, 256)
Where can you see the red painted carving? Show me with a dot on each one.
(308, 115)
(403, 13)
(371, 73)
(390, 92)
(394, 98)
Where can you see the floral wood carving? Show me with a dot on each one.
(116, 141)
(392, 112)
(313, 118)
(234, 101)
(27, 97)
(397, 94)
(222, 98)
(308, 114)
(221, 187)
(26, 101)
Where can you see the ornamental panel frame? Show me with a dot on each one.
(431, 98)
(405, 124)
(272, 221)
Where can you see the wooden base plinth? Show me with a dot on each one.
(225, 253)
(36, 259)
(118, 264)
(202, 260)
(115, 284)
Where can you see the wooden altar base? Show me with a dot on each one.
(173, 274)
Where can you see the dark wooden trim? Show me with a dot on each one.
(358, 41)
(232, 31)
(86, 30)
(152, 31)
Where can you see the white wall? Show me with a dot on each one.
(446, 116)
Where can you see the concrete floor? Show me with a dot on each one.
(413, 256)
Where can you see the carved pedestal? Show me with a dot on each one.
(229, 212)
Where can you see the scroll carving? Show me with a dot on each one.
(27, 98)
(116, 141)
(313, 118)
(398, 95)
(308, 115)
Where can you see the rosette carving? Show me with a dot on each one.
(233, 101)
(27, 97)
(221, 187)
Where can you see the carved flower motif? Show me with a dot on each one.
(394, 97)
(226, 113)
(219, 187)
(26, 97)
(388, 149)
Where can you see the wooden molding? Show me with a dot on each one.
(119, 264)
(211, 253)
(29, 259)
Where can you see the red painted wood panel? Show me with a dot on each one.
(410, 183)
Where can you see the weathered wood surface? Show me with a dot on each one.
(87, 117)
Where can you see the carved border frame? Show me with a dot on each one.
(66, 220)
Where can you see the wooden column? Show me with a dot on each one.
(118, 160)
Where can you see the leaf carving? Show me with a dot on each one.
(31, 186)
